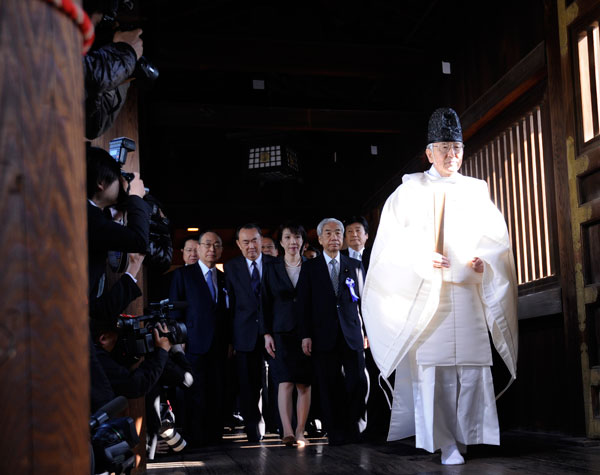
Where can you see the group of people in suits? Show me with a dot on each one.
(300, 315)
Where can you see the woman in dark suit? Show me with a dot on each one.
(290, 367)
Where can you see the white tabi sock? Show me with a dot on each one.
(451, 456)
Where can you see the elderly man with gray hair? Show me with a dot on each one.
(332, 333)
(441, 285)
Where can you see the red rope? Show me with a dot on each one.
(80, 17)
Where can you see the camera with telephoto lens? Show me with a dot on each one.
(144, 71)
(136, 333)
(168, 431)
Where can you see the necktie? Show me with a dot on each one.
(335, 276)
(255, 279)
(211, 287)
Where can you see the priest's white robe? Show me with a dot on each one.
(419, 318)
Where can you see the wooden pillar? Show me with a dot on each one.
(573, 161)
(44, 389)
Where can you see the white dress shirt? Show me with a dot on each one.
(355, 254)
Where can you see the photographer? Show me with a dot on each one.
(107, 69)
(142, 356)
(138, 380)
(104, 186)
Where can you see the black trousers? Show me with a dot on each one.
(341, 394)
(206, 397)
(378, 410)
(250, 365)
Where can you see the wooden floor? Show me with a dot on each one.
(519, 453)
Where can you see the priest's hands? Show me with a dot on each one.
(477, 265)
(440, 261)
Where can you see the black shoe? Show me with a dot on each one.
(314, 430)
(253, 433)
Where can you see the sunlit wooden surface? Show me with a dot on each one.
(520, 453)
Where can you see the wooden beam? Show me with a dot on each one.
(521, 78)
(540, 304)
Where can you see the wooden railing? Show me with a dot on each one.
(513, 165)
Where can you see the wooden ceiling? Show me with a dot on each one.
(338, 77)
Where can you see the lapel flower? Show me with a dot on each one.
(350, 284)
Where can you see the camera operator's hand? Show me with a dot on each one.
(132, 38)
(162, 341)
(135, 263)
(135, 187)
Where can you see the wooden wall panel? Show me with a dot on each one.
(589, 187)
(591, 251)
(538, 398)
(43, 243)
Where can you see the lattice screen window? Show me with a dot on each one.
(588, 52)
(264, 157)
(513, 166)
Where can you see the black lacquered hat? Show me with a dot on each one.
(444, 126)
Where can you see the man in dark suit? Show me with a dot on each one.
(202, 286)
(332, 332)
(378, 410)
(244, 275)
(189, 250)
(356, 236)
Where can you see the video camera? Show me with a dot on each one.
(136, 333)
(113, 440)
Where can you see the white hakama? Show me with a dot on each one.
(433, 326)
(454, 404)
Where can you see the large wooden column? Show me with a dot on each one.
(44, 377)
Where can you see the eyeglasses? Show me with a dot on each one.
(215, 245)
(445, 147)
